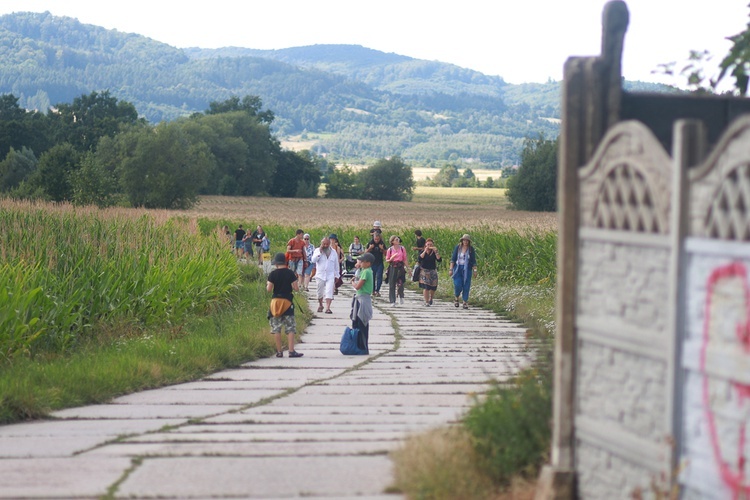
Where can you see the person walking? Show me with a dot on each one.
(428, 275)
(295, 253)
(239, 245)
(376, 247)
(356, 248)
(247, 243)
(362, 303)
(257, 238)
(309, 265)
(282, 282)
(463, 267)
(326, 271)
(419, 243)
(336, 245)
(397, 263)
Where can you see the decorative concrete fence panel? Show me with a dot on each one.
(652, 348)
(622, 414)
(715, 323)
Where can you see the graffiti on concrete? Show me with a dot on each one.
(727, 324)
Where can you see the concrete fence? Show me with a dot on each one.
(652, 381)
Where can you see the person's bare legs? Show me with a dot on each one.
(328, 304)
(279, 347)
(290, 341)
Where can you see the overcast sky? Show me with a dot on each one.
(520, 40)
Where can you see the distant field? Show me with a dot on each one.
(447, 207)
(296, 143)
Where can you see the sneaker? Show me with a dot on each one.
(430, 301)
(427, 304)
(295, 354)
(401, 301)
(279, 354)
(393, 304)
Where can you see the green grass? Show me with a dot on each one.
(126, 358)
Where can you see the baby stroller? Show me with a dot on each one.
(349, 261)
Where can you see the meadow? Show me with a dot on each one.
(98, 303)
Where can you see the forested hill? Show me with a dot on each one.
(356, 103)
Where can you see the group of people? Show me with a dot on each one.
(246, 244)
(303, 261)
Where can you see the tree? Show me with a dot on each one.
(93, 184)
(91, 117)
(388, 179)
(53, 175)
(165, 169)
(342, 183)
(16, 167)
(250, 104)
(446, 176)
(296, 176)
(534, 186)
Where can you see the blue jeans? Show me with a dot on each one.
(461, 287)
(377, 272)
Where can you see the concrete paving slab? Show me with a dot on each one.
(74, 428)
(178, 396)
(144, 411)
(249, 449)
(310, 419)
(350, 435)
(385, 400)
(259, 478)
(302, 428)
(251, 372)
(78, 477)
(48, 446)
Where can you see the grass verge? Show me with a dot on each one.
(127, 358)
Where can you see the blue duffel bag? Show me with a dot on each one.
(350, 342)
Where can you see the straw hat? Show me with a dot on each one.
(465, 237)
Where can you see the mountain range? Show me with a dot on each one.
(352, 103)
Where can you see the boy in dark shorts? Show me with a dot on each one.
(282, 281)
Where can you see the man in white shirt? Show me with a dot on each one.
(326, 262)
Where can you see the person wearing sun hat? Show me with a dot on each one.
(463, 267)
(377, 227)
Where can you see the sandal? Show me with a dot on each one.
(279, 354)
(295, 354)
(329, 311)
(466, 305)
(455, 302)
(320, 309)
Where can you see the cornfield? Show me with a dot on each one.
(63, 270)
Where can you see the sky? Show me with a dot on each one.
(519, 40)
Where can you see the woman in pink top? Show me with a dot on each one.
(397, 264)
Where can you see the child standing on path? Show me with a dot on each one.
(362, 302)
(282, 281)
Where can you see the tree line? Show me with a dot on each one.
(97, 151)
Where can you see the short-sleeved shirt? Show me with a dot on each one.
(282, 279)
(366, 276)
(421, 242)
(296, 244)
(239, 234)
(257, 236)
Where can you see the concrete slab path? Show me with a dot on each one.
(320, 426)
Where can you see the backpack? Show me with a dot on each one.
(350, 342)
(265, 244)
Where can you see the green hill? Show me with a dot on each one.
(359, 104)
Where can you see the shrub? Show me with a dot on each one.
(534, 187)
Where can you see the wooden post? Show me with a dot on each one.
(591, 95)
